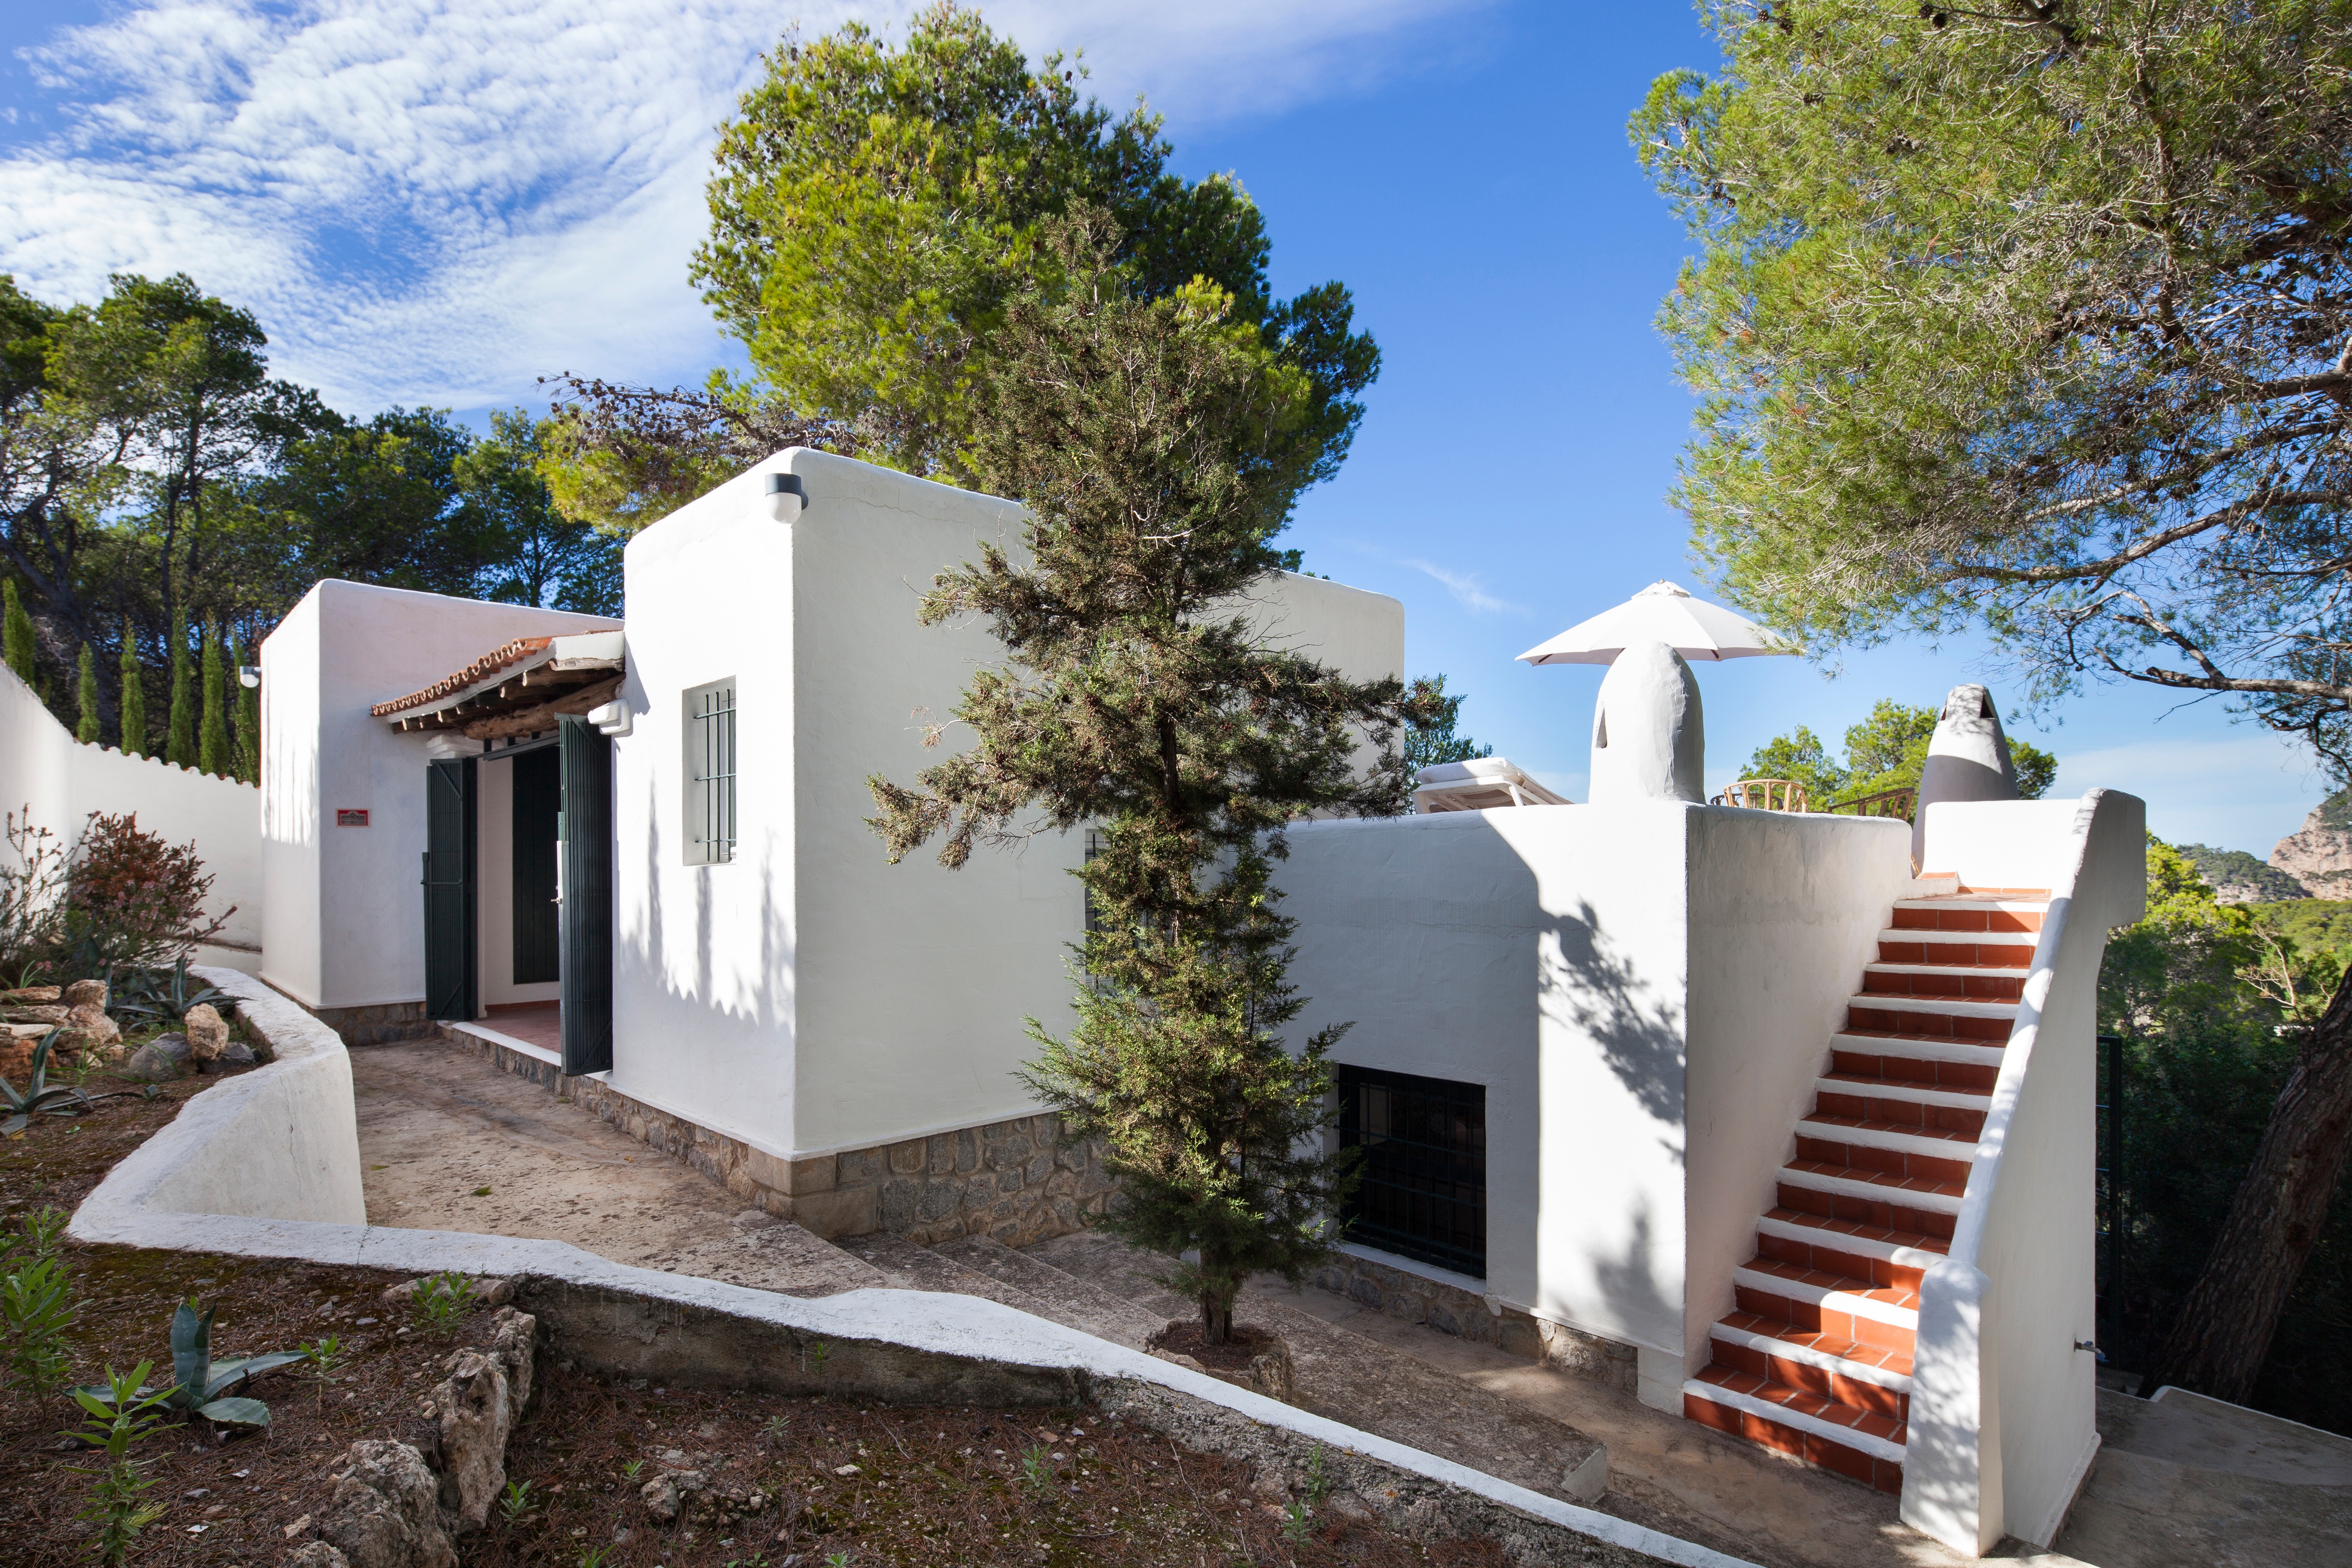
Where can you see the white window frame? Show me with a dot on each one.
(708, 778)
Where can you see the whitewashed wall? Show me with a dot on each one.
(1785, 910)
(43, 766)
(809, 996)
(494, 892)
(345, 924)
(1646, 991)
(2003, 1414)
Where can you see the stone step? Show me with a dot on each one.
(1969, 1066)
(1124, 1272)
(1999, 950)
(1819, 1302)
(1855, 1443)
(1843, 1369)
(1901, 1102)
(1968, 914)
(1889, 1148)
(910, 1266)
(1955, 981)
(1068, 1298)
(1880, 1256)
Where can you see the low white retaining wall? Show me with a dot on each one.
(2003, 1403)
(267, 1165)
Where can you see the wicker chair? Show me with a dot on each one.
(1895, 803)
(1764, 795)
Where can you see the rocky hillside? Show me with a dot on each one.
(2320, 856)
(2237, 878)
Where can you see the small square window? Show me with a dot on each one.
(709, 774)
(1422, 1192)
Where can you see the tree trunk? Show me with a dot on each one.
(1216, 1318)
(2223, 1332)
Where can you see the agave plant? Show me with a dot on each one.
(204, 1385)
(40, 1096)
(153, 994)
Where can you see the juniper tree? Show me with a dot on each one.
(211, 731)
(87, 725)
(1151, 440)
(16, 632)
(249, 722)
(134, 708)
(180, 722)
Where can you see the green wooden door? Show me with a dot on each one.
(450, 990)
(587, 762)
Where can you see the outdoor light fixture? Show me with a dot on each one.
(785, 497)
(249, 677)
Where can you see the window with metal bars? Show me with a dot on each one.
(711, 774)
(1422, 1191)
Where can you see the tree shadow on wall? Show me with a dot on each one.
(1589, 981)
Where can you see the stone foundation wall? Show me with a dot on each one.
(1451, 1310)
(1012, 1181)
(374, 1026)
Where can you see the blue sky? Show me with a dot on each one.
(436, 202)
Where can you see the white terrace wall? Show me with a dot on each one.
(63, 780)
(345, 922)
(810, 997)
(1644, 990)
(2003, 1411)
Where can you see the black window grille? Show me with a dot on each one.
(710, 775)
(1423, 1192)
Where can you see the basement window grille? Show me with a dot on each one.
(711, 774)
(1422, 1191)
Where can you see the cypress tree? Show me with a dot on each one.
(17, 632)
(135, 694)
(1153, 443)
(86, 692)
(213, 755)
(248, 723)
(179, 723)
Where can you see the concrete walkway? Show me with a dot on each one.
(2181, 1482)
(447, 1142)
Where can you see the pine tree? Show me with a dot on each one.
(179, 723)
(134, 696)
(87, 730)
(212, 745)
(17, 632)
(248, 723)
(1152, 443)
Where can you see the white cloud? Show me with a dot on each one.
(2242, 791)
(433, 202)
(1467, 592)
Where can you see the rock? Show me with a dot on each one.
(90, 1031)
(386, 1511)
(236, 1054)
(1270, 1373)
(85, 994)
(44, 1014)
(2320, 856)
(669, 1493)
(29, 993)
(157, 1061)
(489, 1291)
(207, 1031)
(316, 1554)
(477, 1408)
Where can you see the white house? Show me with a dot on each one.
(1727, 1104)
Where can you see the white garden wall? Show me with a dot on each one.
(63, 780)
(345, 924)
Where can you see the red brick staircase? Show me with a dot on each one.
(1816, 1360)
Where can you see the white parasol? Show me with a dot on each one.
(1663, 613)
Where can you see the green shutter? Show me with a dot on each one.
(449, 827)
(587, 760)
